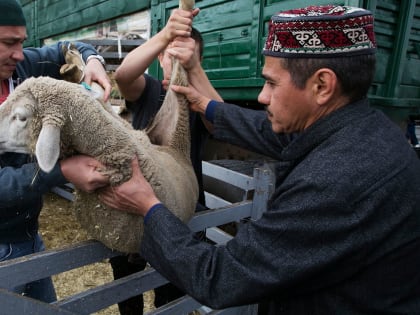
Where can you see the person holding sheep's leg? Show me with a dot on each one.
(22, 184)
(144, 96)
(341, 232)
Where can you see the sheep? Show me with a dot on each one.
(55, 119)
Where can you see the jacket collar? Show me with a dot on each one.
(323, 128)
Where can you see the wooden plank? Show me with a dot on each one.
(16, 304)
(44, 264)
(216, 217)
(228, 176)
(100, 297)
(183, 305)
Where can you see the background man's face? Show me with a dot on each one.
(11, 49)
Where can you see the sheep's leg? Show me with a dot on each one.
(186, 4)
(171, 123)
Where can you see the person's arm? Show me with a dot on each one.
(184, 49)
(126, 195)
(47, 60)
(247, 128)
(95, 72)
(84, 172)
(281, 252)
(22, 186)
(129, 75)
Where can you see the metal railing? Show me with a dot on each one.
(51, 262)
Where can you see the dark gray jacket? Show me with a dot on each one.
(341, 234)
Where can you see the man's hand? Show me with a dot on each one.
(84, 172)
(197, 102)
(134, 196)
(184, 49)
(179, 24)
(95, 72)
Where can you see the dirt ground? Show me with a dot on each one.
(58, 227)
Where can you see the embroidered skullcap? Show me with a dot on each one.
(11, 13)
(321, 31)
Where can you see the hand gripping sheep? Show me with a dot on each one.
(54, 119)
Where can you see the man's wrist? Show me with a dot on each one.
(209, 113)
(97, 57)
(151, 210)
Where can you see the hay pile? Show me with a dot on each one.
(58, 227)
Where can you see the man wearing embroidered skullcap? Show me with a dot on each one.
(341, 232)
(22, 184)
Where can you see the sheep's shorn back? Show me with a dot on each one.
(54, 118)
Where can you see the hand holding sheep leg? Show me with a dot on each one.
(179, 24)
(197, 102)
(184, 49)
(134, 196)
(84, 172)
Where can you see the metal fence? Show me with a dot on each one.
(250, 205)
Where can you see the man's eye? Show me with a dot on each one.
(11, 42)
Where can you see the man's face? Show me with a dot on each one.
(11, 49)
(289, 108)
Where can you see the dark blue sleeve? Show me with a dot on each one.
(47, 60)
(247, 128)
(20, 186)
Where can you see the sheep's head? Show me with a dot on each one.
(22, 129)
(15, 119)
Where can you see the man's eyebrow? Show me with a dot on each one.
(14, 38)
(265, 77)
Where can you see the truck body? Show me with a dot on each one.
(234, 33)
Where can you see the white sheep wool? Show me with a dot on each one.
(58, 119)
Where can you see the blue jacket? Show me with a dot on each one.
(341, 234)
(22, 184)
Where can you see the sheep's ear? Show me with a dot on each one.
(47, 148)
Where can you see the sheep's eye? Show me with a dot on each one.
(16, 117)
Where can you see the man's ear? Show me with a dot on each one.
(47, 148)
(325, 85)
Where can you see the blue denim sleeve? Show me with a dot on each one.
(20, 186)
(151, 211)
(47, 60)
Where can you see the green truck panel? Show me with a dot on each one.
(234, 32)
